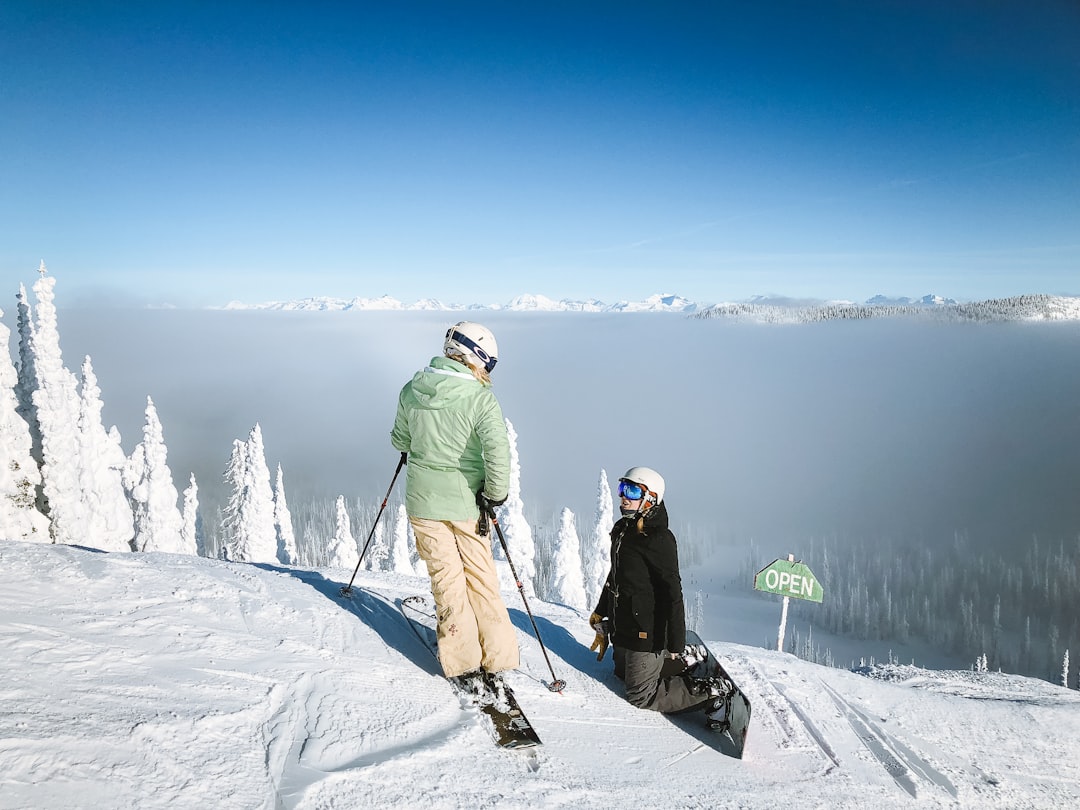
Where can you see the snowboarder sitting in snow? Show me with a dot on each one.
(451, 426)
(641, 606)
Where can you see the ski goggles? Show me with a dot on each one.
(631, 491)
(485, 358)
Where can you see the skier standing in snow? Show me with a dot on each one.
(641, 605)
(451, 426)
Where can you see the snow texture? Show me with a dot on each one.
(174, 681)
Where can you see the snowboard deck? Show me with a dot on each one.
(739, 708)
(508, 724)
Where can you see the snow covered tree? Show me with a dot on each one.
(342, 552)
(695, 615)
(403, 530)
(248, 529)
(516, 529)
(400, 554)
(20, 478)
(233, 534)
(378, 556)
(153, 495)
(1065, 670)
(286, 537)
(567, 586)
(27, 381)
(597, 551)
(56, 410)
(191, 526)
(109, 518)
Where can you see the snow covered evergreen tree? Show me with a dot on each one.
(191, 525)
(286, 537)
(400, 552)
(516, 528)
(403, 528)
(153, 495)
(695, 615)
(567, 586)
(109, 518)
(1065, 670)
(262, 495)
(235, 477)
(248, 530)
(56, 412)
(342, 552)
(27, 381)
(378, 556)
(597, 551)
(20, 478)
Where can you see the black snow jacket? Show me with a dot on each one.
(642, 596)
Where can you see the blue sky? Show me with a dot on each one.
(195, 153)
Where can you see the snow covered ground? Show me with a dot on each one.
(156, 680)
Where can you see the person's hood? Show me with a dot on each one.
(443, 383)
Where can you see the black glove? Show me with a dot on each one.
(485, 503)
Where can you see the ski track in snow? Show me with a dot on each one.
(161, 681)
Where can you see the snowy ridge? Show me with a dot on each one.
(930, 308)
(521, 303)
(171, 681)
(758, 309)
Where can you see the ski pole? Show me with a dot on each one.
(347, 590)
(556, 684)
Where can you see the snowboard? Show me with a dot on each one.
(739, 707)
(508, 724)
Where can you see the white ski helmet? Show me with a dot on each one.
(648, 478)
(473, 339)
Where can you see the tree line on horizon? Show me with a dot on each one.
(1017, 308)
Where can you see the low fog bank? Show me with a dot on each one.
(854, 430)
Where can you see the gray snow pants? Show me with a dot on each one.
(646, 688)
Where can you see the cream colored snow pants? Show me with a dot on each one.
(474, 627)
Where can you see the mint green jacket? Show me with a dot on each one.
(452, 427)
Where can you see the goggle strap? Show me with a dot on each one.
(474, 347)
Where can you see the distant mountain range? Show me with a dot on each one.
(523, 303)
(760, 309)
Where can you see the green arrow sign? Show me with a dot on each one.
(785, 578)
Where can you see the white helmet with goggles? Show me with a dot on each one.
(472, 339)
(642, 482)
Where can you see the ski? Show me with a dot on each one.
(738, 715)
(508, 724)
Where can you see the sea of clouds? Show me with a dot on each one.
(852, 430)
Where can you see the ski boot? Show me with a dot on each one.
(471, 684)
(496, 687)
